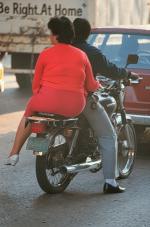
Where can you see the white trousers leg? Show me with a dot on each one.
(107, 138)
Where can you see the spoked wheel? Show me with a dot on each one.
(127, 149)
(49, 173)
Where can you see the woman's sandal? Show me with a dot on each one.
(12, 160)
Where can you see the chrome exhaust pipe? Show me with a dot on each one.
(76, 168)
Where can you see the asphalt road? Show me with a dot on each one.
(83, 204)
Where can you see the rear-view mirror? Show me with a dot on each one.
(132, 59)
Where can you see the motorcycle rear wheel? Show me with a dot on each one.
(49, 175)
(126, 150)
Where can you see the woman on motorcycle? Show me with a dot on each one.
(62, 77)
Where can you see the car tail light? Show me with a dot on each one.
(38, 127)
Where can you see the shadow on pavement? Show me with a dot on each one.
(13, 100)
(143, 151)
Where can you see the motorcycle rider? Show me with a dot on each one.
(98, 118)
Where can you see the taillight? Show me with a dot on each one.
(37, 127)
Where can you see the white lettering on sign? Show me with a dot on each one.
(44, 9)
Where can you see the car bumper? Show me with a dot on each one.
(140, 119)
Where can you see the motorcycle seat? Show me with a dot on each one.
(54, 116)
(42, 114)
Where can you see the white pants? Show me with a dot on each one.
(107, 138)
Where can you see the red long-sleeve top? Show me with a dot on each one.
(63, 76)
(66, 68)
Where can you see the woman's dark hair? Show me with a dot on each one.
(82, 29)
(63, 28)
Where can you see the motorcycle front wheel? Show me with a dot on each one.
(49, 173)
(127, 149)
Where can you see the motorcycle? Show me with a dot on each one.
(65, 147)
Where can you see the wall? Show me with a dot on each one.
(119, 12)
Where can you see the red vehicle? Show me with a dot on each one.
(116, 44)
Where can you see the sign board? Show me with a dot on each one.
(22, 16)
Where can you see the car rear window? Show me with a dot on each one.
(117, 47)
